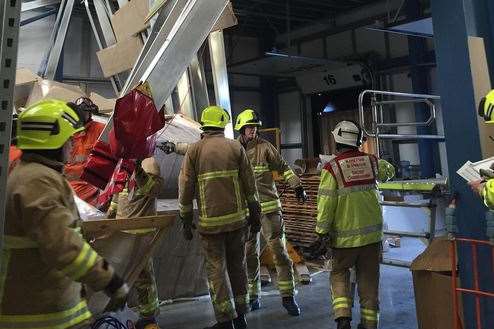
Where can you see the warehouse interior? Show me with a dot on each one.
(409, 73)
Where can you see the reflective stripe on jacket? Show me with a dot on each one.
(347, 203)
(218, 171)
(265, 159)
(44, 258)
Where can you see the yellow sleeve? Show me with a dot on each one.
(186, 186)
(488, 193)
(386, 171)
(327, 201)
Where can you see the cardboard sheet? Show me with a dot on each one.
(120, 57)
(129, 20)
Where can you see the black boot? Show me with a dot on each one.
(255, 304)
(222, 325)
(147, 323)
(344, 323)
(291, 306)
(240, 322)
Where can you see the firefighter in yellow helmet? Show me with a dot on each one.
(349, 217)
(217, 170)
(138, 199)
(44, 259)
(485, 186)
(265, 159)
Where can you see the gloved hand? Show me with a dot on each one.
(188, 226)
(319, 248)
(118, 292)
(300, 194)
(167, 147)
(254, 217)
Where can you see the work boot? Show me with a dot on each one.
(291, 306)
(222, 325)
(239, 322)
(255, 304)
(344, 323)
(147, 323)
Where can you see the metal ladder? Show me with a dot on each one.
(9, 34)
(378, 101)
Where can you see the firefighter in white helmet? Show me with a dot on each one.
(350, 218)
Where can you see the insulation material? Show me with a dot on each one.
(120, 57)
(43, 89)
(87, 211)
(180, 129)
(105, 105)
(130, 19)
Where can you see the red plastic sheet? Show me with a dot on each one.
(123, 171)
(135, 121)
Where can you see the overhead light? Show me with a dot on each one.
(329, 108)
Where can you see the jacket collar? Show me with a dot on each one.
(212, 133)
(248, 144)
(33, 157)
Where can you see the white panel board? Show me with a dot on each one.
(290, 120)
(368, 40)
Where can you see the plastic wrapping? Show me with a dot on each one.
(136, 121)
(86, 211)
(119, 178)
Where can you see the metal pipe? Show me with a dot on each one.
(396, 262)
(454, 292)
(406, 137)
(404, 204)
(407, 234)
(476, 285)
(38, 17)
(38, 4)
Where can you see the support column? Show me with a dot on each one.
(454, 22)
(220, 75)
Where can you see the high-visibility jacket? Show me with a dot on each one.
(82, 145)
(218, 170)
(14, 157)
(488, 193)
(45, 259)
(347, 202)
(265, 159)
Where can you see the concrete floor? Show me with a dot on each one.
(397, 306)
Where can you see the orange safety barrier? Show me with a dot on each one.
(476, 291)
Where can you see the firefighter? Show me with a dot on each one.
(138, 199)
(82, 146)
(350, 217)
(265, 159)
(485, 186)
(219, 171)
(44, 259)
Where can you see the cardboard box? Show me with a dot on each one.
(105, 105)
(24, 83)
(51, 89)
(120, 57)
(130, 19)
(431, 272)
(226, 20)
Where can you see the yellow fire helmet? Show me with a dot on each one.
(248, 117)
(214, 117)
(486, 107)
(47, 125)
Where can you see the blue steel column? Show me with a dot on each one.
(454, 21)
(419, 74)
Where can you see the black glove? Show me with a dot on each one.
(318, 248)
(118, 292)
(167, 147)
(188, 226)
(301, 195)
(254, 217)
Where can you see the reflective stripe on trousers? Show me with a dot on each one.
(270, 206)
(58, 320)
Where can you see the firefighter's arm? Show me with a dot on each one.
(386, 171)
(148, 184)
(112, 210)
(186, 187)
(276, 162)
(327, 201)
(52, 227)
(247, 177)
(487, 193)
